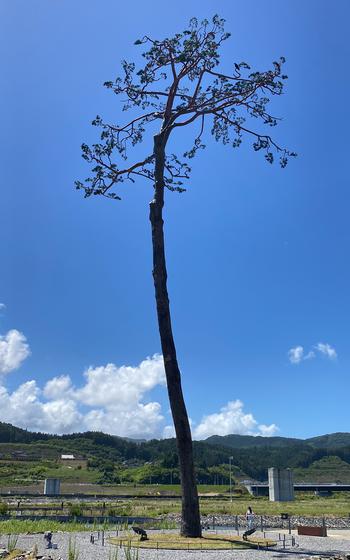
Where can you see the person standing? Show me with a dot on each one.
(249, 518)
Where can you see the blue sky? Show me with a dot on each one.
(257, 255)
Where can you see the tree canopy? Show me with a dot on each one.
(179, 85)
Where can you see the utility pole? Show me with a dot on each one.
(230, 463)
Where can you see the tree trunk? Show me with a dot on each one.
(190, 525)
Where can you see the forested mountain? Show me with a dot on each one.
(238, 442)
(331, 441)
(252, 455)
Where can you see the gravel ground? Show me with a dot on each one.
(269, 520)
(307, 547)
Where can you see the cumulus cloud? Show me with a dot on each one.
(25, 408)
(141, 420)
(268, 431)
(110, 400)
(13, 351)
(231, 419)
(297, 354)
(112, 386)
(58, 387)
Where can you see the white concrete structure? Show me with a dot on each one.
(52, 486)
(281, 485)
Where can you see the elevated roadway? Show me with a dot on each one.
(262, 488)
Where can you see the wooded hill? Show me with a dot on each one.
(326, 457)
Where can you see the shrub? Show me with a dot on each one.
(75, 510)
(12, 542)
(73, 551)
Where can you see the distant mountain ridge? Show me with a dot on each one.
(338, 439)
(252, 455)
(10, 433)
(236, 441)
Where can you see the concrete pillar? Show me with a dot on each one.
(52, 486)
(281, 485)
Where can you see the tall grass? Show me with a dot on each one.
(12, 542)
(113, 554)
(130, 553)
(15, 526)
(73, 550)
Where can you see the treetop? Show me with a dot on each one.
(179, 85)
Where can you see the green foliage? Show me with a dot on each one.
(328, 468)
(130, 553)
(3, 508)
(12, 542)
(114, 460)
(76, 510)
(73, 550)
(178, 84)
(331, 441)
(113, 554)
(16, 526)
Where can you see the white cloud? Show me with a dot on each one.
(231, 420)
(110, 401)
(310, 355)
(327, 350)
(58, 387)
(25, 408)
(140, 420)
(2, 307)
(268, 430)
(13, 351)
(123, 386)
(297, 355)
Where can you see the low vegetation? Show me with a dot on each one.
(172, 541)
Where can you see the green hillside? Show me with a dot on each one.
(327, 469)
(330, 441)
(238, 442)
(104, 459)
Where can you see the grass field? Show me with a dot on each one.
(17, 526)
(89, 488)
(337, 506)
(305, 504)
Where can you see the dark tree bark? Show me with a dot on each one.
(191, 526)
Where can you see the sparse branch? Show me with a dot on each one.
(237, 125)
(190, 120)
(131, 123)
(195, 93)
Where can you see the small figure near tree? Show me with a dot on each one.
(179, 85)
